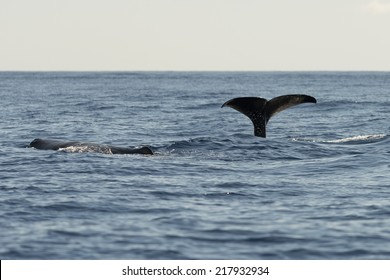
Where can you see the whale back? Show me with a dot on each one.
(50, 144)
(45, 144)
(142, 150)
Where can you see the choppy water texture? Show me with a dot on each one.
(317, 188)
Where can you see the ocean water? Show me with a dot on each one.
(318, 187)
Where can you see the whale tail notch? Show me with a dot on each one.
(259, 110)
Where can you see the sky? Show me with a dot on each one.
(194, 35)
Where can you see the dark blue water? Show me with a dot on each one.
(317, 187)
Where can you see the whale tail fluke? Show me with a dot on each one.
(259, 110)
(253, 108)
(280, 103)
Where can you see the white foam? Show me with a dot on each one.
(358, 138)
(86, 149)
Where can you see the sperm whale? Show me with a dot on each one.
(49, 144)
(260, 110)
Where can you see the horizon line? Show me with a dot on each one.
(215, 71)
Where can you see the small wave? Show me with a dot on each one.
(193, 145)
(352, 139)
(359, 138)
(295, 139)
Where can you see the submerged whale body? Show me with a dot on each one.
(48, 144)
(260, 110)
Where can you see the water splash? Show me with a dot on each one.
(87, 149)
(353, 139)
(359, 138)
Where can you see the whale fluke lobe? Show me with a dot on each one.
(49, 144)
(259, 110)
(253, 108)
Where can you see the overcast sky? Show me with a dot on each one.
(196, 35)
